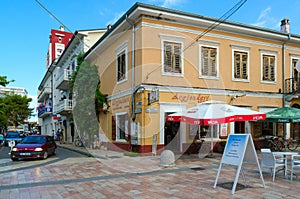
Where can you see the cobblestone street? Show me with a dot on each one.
(110, 175)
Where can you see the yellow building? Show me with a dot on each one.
(155, 61)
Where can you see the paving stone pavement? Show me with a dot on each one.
(112, 175)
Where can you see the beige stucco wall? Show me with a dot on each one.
(148, 70)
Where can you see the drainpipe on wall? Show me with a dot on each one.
(283, 74)
(283, 70)
(283, 85)
(132, 68)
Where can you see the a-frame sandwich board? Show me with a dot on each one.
(239, 149)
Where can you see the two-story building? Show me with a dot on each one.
(155, 61)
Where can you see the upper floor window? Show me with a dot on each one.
(121, 63)
(172, 57)
(268, 68)
(240, 63)
(296, 72)
(208, 61)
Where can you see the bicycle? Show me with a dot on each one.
(274, 143)
(78, 142)
(291, 144)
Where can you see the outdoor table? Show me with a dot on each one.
(285, 154)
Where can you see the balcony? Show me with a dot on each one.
(64, 107)
(292, 86)
(63, 80)
(44, 112)
(45, 92)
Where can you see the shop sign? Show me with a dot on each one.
(120, 104)
(151, 110)
(138, 110)
(199, 98)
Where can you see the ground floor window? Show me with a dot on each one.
(122, 127)
(262, 129)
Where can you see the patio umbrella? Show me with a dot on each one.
(283, 115)
(215, 112)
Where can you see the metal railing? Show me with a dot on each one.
(64, 105)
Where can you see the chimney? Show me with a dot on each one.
(285, 25)
(62, 28)
(109, 26)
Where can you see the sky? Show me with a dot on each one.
(26, 25)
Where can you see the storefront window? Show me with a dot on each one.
(199, 132)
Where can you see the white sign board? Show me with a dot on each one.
(234, 149)
(239, 149)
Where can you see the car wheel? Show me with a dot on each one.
(54, 151)
(45, 155)
(14, 159)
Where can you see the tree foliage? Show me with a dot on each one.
(14, 110)
(86, 98)
(4, 81)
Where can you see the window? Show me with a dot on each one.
(296, 73)
(121, 62)
(268, 68)
(208, 65)
(122, 127)
(240, 65)
(172, 57)
(121, 66)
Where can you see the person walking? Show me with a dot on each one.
(58, 135)
(61, 134)
(1, 139)
(53, 134)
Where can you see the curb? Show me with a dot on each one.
(77, 151)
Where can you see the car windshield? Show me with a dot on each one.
(12, 135)
(34, 140)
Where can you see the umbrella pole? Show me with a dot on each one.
(211, 155)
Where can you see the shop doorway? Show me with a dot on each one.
(239, 127)
(172, 135)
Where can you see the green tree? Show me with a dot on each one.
(14, 110)
(86, 98)
(4, 81)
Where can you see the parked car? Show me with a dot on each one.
(12, 136)
(34, 147)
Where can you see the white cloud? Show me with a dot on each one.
(167, 3)
(266, 20)
(263, 17)
(170, 3)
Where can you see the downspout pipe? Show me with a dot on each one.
(283, 69)
(132, 68)
(283, 82)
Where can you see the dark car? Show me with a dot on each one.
(12, 136)
(34, 147)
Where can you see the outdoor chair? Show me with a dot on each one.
(279, 158)
(295, 163)
(269, 160)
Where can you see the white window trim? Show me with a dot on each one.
(271, 53)
(293, 56)
(119, 49)
(200, 62)
(240, 49)
(117, 129)
(174, 39)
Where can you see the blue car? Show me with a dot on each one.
(12, 135)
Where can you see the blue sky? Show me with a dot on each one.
(25, 26)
